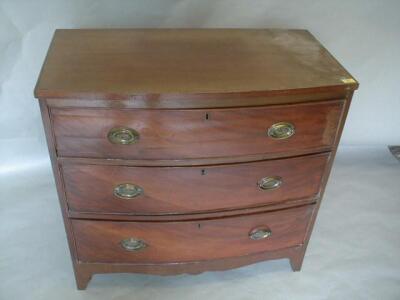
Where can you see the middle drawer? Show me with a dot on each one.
(182, 190)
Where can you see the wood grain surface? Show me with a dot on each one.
(183, 190)
(185, 134)
(124, 63)
(99, 241)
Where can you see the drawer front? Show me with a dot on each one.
(179, 190)
(147, 242)
(191, 134)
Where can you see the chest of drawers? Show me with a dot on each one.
(189, 150)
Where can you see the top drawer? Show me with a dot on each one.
(196, 133)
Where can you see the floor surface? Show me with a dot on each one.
(354, 252)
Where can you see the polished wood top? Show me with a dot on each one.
(124, 63)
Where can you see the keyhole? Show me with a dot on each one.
(199, 225)
(203, 172)
(207, 116)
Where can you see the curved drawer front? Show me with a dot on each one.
(163, 242)
(191, 134)
(178, 190)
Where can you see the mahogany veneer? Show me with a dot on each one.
(168, 241)
(180, 190)
(187, 150)
(182, 134)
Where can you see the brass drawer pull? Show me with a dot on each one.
(127, 190)
(260, 233)
(281, 130)
(133, 244)
(123, 135)
(270, 183)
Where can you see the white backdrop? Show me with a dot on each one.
(363, 35)
(353, 253)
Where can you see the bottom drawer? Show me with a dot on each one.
(165, 242)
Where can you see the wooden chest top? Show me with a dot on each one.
(120, 64)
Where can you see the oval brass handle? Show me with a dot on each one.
(127, 190)
(133, 244)
(281, 130)
(123, 135)
(260, 233)
(270, 183)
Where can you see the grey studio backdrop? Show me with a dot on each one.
(363, 35)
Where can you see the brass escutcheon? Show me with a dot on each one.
(123, 135)
(260, 233)
(127, 190)
(133, 244)
(270, 182)
(281, 130)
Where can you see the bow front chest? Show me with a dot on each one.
(189, 150)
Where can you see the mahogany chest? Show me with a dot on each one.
(188, 150)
